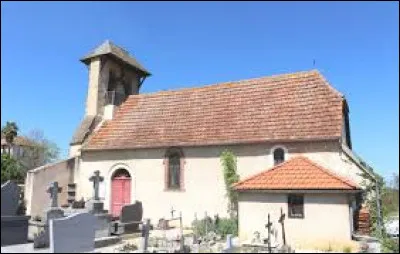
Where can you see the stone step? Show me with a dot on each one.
(106, 241)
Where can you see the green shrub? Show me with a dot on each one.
(227, 226)
(201, 226)
(390, 245)
(347, 249)
(222, 226)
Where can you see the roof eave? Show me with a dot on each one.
(88, 148)
(86, 60)
(305, 191)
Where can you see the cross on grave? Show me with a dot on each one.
(269, 225)
(145, 235)
(282, 222)
(96, 179)
(54, 190)
(172, 212)
(182, 238)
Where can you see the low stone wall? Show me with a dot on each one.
(39, 179)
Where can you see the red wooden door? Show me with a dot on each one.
(121, 194)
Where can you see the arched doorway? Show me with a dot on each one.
(120, 191)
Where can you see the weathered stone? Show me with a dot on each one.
(132, 213)
(9, 198)
(14, 229)
(75, 233)
(53, 213)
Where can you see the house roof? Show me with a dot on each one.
(298, 106)
(18, 140)
(109, 48)
(298, 173)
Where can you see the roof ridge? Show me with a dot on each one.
(281, 77)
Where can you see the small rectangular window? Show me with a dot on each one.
(296, 206)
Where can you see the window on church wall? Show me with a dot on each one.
(174, 170)
(279, 156)
(296, 206)
(174, 166)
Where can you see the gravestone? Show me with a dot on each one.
(131, 216)
(75, 233)
(103, 219)
(10, 193)
(14, 227)
(42, 240)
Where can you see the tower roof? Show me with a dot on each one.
(109, 48)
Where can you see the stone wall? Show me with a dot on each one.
(38, 180)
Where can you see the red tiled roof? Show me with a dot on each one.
(298, 106)
(298, 173)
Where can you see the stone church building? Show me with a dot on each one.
(290, 133)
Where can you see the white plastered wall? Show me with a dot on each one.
(326, 217)
(204, 189)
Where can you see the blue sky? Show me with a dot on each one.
(355, 45)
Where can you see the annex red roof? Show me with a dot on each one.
(298, 106)
(298, 173)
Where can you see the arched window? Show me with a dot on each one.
(279, 156)
(174, 170)
(174, 166)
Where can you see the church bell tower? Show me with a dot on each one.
(113, 75)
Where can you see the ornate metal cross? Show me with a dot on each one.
(269, 225)
(96, 179)
(282, 222)
(54, 190)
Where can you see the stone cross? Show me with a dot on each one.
(96, 179)
(54, 190)
(282, 222)
(269, 225)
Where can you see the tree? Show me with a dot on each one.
(10, 131)
(387, 204)
(11, 169)
(390, 196)
(228, 160)
(42, 150)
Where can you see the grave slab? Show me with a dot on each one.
(75, 233)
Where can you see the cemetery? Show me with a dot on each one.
(92, 229)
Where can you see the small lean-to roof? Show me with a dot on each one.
(109, 48)
(85, 128)
(288, 107)
(298, 173)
